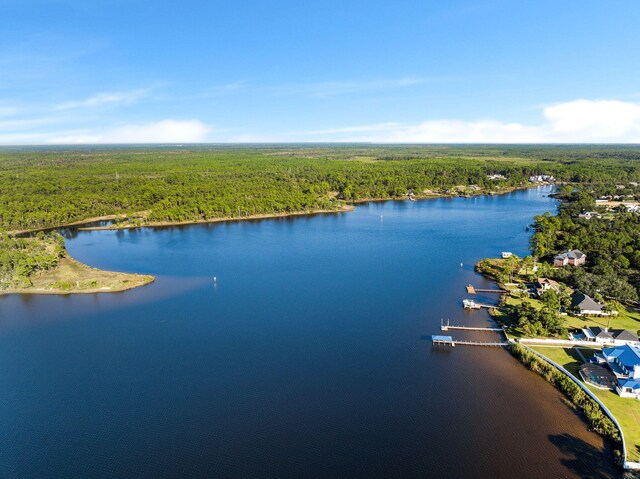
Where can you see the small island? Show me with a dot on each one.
(42, 265)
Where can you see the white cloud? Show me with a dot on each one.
(165, 131)
(579, 121)
(104, 99)
(598, 119)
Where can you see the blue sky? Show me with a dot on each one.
(101, 71)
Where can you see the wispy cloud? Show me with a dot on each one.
(106, 99)
(6, 111)
(579, 121)
(331, 89)
(164, 131)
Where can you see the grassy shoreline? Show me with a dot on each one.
(591, 410)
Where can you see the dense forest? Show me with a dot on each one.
(47, 187)
(611, 241)
(20, 258)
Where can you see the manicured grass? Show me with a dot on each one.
(626, 410)
(628, 320)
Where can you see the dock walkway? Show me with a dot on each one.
(473, 290)
(448, 326)
(449, 341)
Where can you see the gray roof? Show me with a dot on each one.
(573, 254)
(601, 333)
(625, 335)
(585, 303)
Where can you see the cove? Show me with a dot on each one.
(307, 357)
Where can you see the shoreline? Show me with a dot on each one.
(73, 277)
(140, 280)
(597, 424)
(349, 206)
(167, 224)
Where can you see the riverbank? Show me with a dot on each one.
(160, 224)
(73, 277)
(595, 415)
(138, 219)
(598, 412)
(625, 410)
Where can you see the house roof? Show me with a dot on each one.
(601, 333)
(629, 356)
(550, 282)
(585, 303)
(573, 254)
(625, 335)
(630, 383)
(588, 333)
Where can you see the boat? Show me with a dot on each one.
(470, 304)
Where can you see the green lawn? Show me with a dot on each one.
(628, 320)
(626, 410)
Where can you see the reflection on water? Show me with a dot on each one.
(307, 358)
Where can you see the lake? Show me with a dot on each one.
(309, 357)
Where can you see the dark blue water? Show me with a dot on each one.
(308, 357)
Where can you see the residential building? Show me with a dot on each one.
(624, 361)
(615, 337)
(574, 257)
(587, 215)
(586, 306)
(543, 285)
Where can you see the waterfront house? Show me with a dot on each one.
(586, 306)
(599, 335)
(506, 254)
(616, 337)
(624, 361)
(543, 285)
(624, 336)
(541, 179)
(574, 257)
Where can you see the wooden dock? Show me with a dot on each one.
(448, 326)
(449, 341)
(473, 290)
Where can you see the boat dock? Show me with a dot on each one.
(449, 341)
(448, 326)
(473, 290)
(470, 304)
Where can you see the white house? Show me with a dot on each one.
(624, 361)
(587, 215)
(586, 306)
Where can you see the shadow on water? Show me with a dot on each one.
(583, 458)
